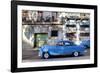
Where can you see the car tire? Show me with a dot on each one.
(75, 54)
(46, 55)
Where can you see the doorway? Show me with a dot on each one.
(40, 39)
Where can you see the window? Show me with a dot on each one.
(84, 34)
(67, 43)
(60, 43)
(54, 33)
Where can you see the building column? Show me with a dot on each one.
(78, 33)
(64, 31)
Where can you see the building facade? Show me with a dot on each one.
(43, 27)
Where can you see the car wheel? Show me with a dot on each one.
(75, 54)
(46, 55)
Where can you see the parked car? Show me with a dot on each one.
(86, 43)
(61, 48)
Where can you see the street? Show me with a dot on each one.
(31, 55)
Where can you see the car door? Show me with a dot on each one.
(59, 48)
(68, 48)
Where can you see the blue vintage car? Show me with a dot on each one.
(86, 43)
(61, 48)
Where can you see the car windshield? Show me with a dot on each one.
(60, 43)
(70, 43)
(67, 43)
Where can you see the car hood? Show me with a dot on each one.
(47, 46)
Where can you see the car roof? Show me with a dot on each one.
(65, 41)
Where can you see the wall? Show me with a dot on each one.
(5, 32)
